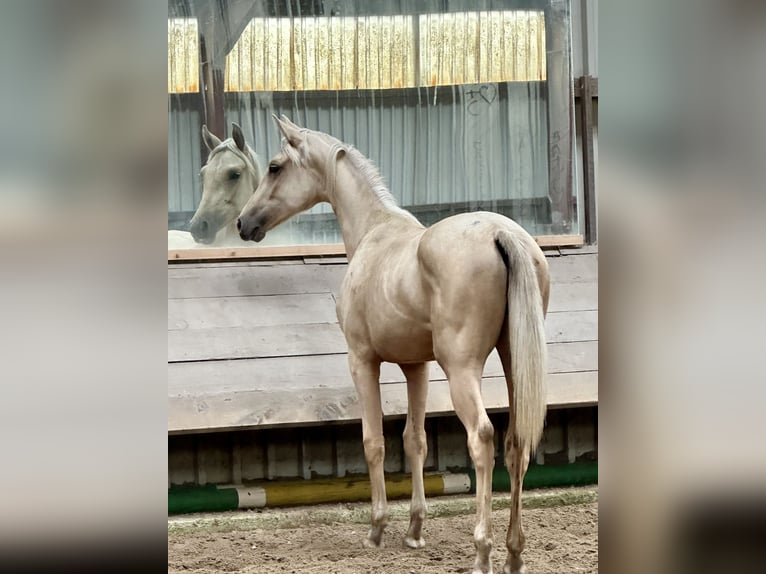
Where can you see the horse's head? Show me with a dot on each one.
(296, 180)
(228, 181)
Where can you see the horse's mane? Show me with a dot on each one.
(363, 165)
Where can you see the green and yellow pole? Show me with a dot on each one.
(274, 494)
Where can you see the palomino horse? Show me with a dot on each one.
(229, 178)
(451, 292)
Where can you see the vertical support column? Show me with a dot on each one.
(560, 124)
(589, 175)
(211, 84)
(236, 459)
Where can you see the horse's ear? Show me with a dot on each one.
(210, 140)
(239, 139)
(291, 132)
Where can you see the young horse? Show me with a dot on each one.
(229, 178)
(451, 292)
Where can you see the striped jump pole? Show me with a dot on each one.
(211, 498)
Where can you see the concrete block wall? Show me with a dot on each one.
(336, 450)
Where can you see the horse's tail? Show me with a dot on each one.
(526, 334)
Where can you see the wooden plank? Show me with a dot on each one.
(559, 240)
(218, 312)
(255, 342)
(328, 260)
(299, 374)
(580, 269)
(256, 263)
(324, 338)
(564, 390)
(332, 249)
(295, 374)
(582, 250)
(217, 281)
(571, 326)
(224, 411)
(236, 253)
(244, 281)
(573, 297)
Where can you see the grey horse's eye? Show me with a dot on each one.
(234, 175)
(274, 168)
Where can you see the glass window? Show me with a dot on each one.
(462, 105)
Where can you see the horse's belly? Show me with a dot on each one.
(404, 343)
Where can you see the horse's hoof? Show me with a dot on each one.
(370, 543)
(414, 542)
(521, 570)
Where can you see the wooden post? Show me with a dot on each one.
(211, 84)
(559, 87)
(589, 179)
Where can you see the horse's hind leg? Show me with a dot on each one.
(416, 448)
(465, 390)
(517, 461)
(366, 375)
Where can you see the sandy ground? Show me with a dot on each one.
(560, 539)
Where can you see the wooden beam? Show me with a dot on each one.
(578, 92)
(560, 116)
(241, 253)
(589, 170)
(330, 249)
(559, 240)
(250, 409)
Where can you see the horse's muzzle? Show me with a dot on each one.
(248, 231)
(201, 231)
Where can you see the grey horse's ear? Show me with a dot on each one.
(210, 140)
(291, 131)
(239, 139)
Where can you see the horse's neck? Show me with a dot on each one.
(357, 207)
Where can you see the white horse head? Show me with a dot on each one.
(229, 179)
(296, 180)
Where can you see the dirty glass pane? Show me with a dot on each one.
(462, 105)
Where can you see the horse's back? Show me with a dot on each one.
(404, 283)
(466, 245)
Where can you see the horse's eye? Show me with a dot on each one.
(234, 175)
(274, 168)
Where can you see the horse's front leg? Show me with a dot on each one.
(416, 448)
(366, 375)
